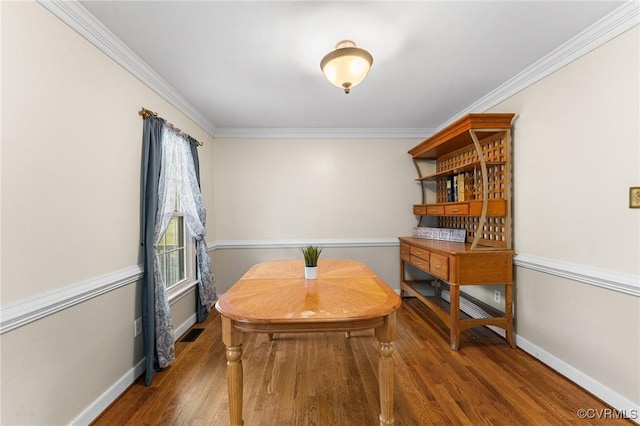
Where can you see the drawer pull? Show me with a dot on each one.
(454, 210)
(438, 266)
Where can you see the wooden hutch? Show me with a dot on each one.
(475, 153)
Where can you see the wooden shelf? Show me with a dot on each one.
(456, 135)
(473, 313)
(473, 208)
(467, 168)
(482, 143)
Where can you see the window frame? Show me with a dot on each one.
(180, 288)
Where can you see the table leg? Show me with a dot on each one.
(385, 335)
(508, 313)
(454, 315)
(232, 339)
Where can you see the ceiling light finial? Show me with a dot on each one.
(347, 65)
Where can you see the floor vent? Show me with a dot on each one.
(192, 335)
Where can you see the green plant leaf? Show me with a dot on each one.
(311, 255)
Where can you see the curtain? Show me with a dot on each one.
(170, 173)
(182, 179)
(151, 163)
(201, 309)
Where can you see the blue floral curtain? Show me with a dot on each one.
(170, 170)
(151, 162)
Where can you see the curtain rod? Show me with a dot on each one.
(144, 113)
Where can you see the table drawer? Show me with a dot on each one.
(439, 266)
(419, 252)
(405, 252)
(435, 210)
(420, 263)
(456, 209)
(419, 210)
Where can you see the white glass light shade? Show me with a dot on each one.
(346, 66)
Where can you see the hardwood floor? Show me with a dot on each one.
(330, 380)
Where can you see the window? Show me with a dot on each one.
(171, 252)
(176, 259)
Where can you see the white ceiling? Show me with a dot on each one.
(254, 66)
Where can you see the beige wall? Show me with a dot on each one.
(70, 188)
(275, 189)
(231, 264)
(336, 192)
(576, 153)
(71, 153)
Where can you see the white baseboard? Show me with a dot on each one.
(182, 328)
(601, 391)
(119, 387)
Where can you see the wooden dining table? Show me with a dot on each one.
(274, 297)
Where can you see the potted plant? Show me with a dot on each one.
(311, 255)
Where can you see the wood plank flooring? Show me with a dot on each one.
(330, 380)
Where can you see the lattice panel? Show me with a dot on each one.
(494, 150)
(493, 234)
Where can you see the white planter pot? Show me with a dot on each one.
(310, 272)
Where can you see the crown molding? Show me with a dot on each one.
(324, 133)
(612, 25)
(84, 23)
(77, 17)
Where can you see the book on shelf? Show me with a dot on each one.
(449, 188)
(455, 188)
(468, 186)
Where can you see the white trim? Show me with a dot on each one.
(601, 391)
(324, 133)
(78, 17)
(25, 311)
(327, 242)
(612, 280)
(617, 22)
(184, 327)
(180, 290)
(96, 408)
(22, 312)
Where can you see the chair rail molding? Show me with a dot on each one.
(295, 243)
(16, 314)
(25, 311)
(612, 280)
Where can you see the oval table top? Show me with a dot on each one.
(277, 292)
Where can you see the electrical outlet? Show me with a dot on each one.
(496, 296)
(137, 327)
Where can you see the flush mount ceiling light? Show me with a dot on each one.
(346, 66)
